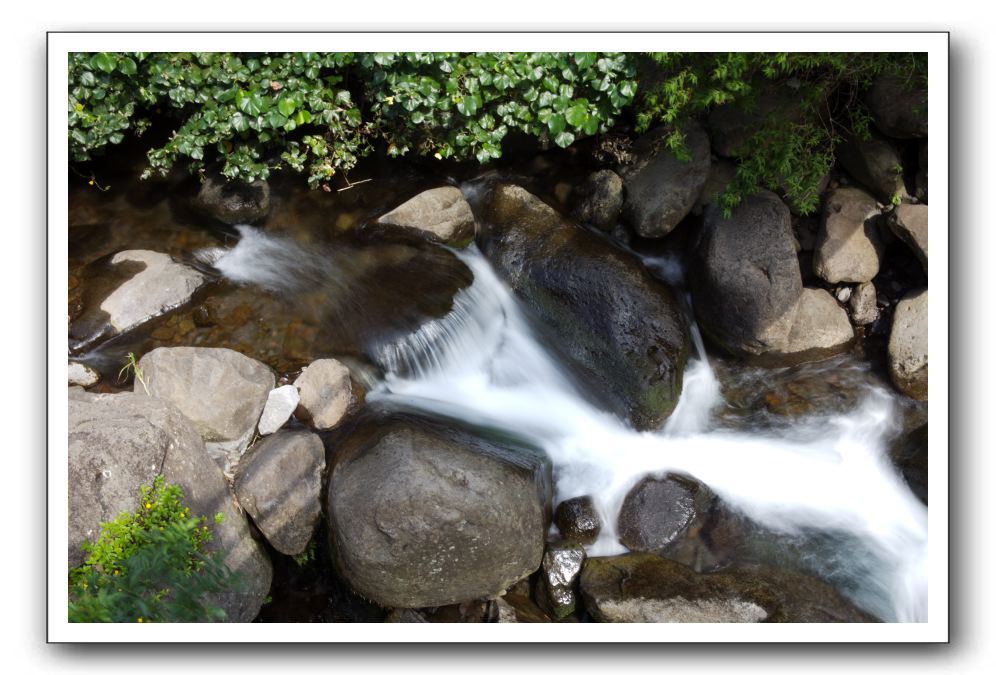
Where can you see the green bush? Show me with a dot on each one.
(150, 565)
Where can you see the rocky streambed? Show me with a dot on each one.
(556, 391)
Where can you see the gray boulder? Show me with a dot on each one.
(599, 200)
(660, 188)
(864, 304)
(618, 327)
(908, 346)
(327, 394)
(422, 515)
(440, 215)
(817, 329)
(278, 483)
(909, 223)
(658, 512)
(644, 588)
(221, 391)
(848, 248)
(118, 442)
(280, 405)
(899, 106)
(875, 163)
(233, 202)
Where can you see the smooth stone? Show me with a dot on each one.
(658, 512)
(848, 248)
(909, 223)
(561, 569)
(82, 375)
(908, 345)
(441, 215)
(875, 163)
(864, 304)
(577, 519)
(326, 394)
(280, 405)
(599, 200)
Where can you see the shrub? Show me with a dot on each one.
(150, 565)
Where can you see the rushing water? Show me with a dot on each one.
(828, 481)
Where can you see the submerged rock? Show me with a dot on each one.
(440, 215)
(233, 202)
(599, 200)
(618, 327)
(423, 515)
(118, 442)
(578, 520)
(640, 587)
(849, 248)
(327, 394)
(908, 345)
(658, 512)
(660, 188)
(221, 391)
(278, 483)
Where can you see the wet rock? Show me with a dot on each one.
(440, 215)
(599, 200)
(660, 188)
(425, 515)
(233, 202)
(82, 374)
(327, 394)
(619, 328)
(280, 405)
(151, 285)
(898, 106)
(221, 391)
(909, 223)
(864, 304)
(849, 248)
(517, 606)
(909, 454)
(278, 483)
(561, 569)
(908, 345)
(118, 442)
(641, 588)
(658, 512)
(405, 616)
(874, 163)
(578, 520)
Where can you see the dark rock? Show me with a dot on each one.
(560, 571)
(423, 515)
(899, 106)
(909, 223)
(849, 248)
(618, 327)
(278, 482)
(440, 215)
(721, 174)
(599, 200)
(909, 454)
(660, 188)
(233, 202)
(658, 512)
(908, 346)
(641, 587)
(578, 520)
(875, 163)
(732, 126)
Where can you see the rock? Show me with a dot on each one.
(864, 305)
(619, 328)
(118, 442)
(233, 202)
(561, 569)
(658, 512)
(424, 515)
(848, 248)
(660, 188)
(874, 163)
(517, 606)
(599, 200)
(806, 231)
(152, 286)
(921, 174)
(721, 174)
(578, 520)
(641, 587)
(279, 483)
(732, 126)
(808, 202)
(221, 391)
(280, 405)
(440, 215)
(82, 374)
(843, 294)
(909, 454)
(908, 346)
(899, 106)
(819, 329)
(909, 223)
(327, 394)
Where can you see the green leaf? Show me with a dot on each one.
(128, 66)
(556, 124)
(564, 139)
(577, 115)
(276, 119)
(239, 122)
(286, 106)
(102, 61)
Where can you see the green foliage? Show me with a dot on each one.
(150, 565)
(132, 364)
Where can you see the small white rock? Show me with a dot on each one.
(280, 405)
(82, 375)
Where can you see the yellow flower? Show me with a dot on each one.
(141, 620)
(79, 107)
(148, 505)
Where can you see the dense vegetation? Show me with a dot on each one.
(318, 113)
(150, 565)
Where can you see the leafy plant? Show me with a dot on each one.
(150, 565)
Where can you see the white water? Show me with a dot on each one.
(482, 363)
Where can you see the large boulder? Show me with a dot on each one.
(221, 391)
(599, 200)
(422, 515)
(848, 248)
(659, 511)
(233, 202)
(118, 442)
(875, 163)
(747, 288)
(641, 588)
(279, 483)
(908, 345)
(898, 105)
(619, 328)
(439, 215)
(909, 223)
(660, 188)
(148, 285)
